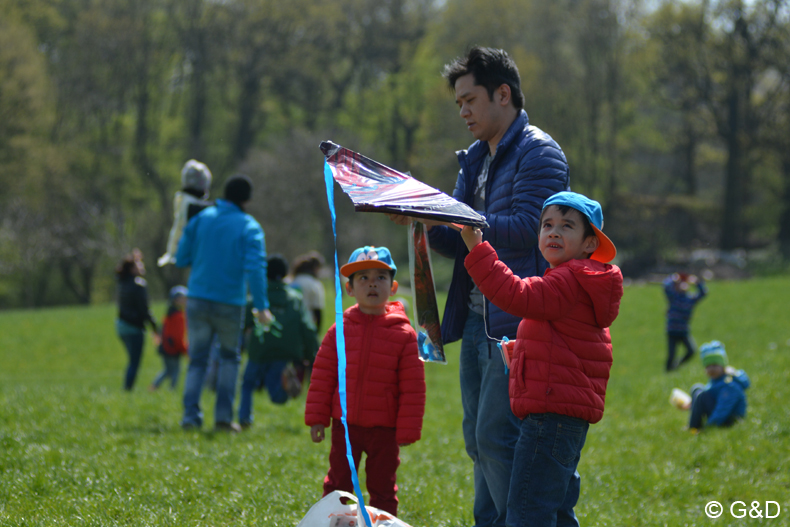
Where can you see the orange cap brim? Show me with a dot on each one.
(351, 268)
(606, 250)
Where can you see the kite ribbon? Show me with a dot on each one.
(341, 344)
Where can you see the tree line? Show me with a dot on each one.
(675, 115)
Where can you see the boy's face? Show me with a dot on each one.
(180, 302)
(561, 237)
(714, 371)
(372, 289)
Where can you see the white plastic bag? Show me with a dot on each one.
(330, 512)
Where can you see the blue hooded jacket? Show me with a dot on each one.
(529, 166)
(225, 248)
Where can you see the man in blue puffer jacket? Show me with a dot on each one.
(506, 175)
(224, 246)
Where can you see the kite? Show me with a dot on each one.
(426, 310)
(374, 187)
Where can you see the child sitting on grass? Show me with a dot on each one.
(563, 351)
(722, 402)
(385, 382)
(173, 344)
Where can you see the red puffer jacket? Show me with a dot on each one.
(385, 379)
(563, 350)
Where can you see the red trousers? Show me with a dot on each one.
(381, 448)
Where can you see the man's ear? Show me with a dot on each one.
(394, 287)
(504, 94)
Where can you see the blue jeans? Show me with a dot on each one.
(133, 339)
(204, 320)
(271, 374)
(545, 485)
(490, 428)
(172, 370)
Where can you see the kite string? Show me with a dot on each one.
(341, 345)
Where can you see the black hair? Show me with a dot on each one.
(276, 267)
(351, 277)
(491, 68)
(588, 230)
(238, 189)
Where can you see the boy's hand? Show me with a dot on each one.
(317, 433)
(472, 236)
(157, 339)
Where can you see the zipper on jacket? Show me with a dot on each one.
(363, 366)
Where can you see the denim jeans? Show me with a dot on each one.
(489, 426)
(171, 371)
(672, 342)
(545, 485)
(204, 320)
(133, 339)
(271, 375)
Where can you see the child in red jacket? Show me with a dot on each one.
(173, 344)
(563, 351)
(385, 381)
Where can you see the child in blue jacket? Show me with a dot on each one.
(722, 402)
(681, 300)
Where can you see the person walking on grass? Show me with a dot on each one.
(224, 247)
(563, 351)
(133, 312)
(173, 343)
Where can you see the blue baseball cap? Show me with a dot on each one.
(368, 257)
(178, 290)
(591, 209)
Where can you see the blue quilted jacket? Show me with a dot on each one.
(529, 166)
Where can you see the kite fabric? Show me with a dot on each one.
(374, 187)
(426, 310)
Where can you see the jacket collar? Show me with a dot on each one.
(479, 149)
(227, 206)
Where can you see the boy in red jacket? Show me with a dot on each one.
(173, 344)
(385, 381)
(562, 355)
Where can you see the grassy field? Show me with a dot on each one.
(76, 450)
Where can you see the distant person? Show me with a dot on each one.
(187, 203)
(505, 175)
(224, 246)
(305, 273)
(270, 353)
(173, 343)
(563, 352)
(721, 402)
(133, 312)
(682, 300)
(385, 382)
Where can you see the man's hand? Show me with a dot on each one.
(472, 237)
(317, 433)
(400, 219)
(265, 317)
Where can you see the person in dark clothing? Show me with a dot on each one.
(681, 300)
(133, 312)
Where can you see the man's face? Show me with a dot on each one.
(486, 119)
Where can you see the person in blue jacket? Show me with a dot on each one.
(506, 175)
(681, 300)
(224, 246)
(721, 402)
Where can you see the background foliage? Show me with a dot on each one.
(674, 114)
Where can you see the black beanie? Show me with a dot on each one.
(238, 189)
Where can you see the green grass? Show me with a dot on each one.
(76, 450)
